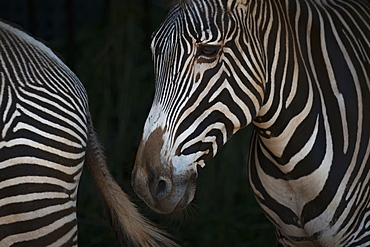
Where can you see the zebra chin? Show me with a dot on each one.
(156, 183)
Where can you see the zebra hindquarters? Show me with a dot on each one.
(46, 135)
(39, 176)
(43, 136)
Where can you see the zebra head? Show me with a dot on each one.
(209, 84)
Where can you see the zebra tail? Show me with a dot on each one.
(132, 229)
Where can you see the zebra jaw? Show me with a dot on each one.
(162, 186)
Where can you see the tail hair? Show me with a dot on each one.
(131, 228)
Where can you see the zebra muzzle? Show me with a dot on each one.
(156, 183)
(164, 194)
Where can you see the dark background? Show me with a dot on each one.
(106, 43)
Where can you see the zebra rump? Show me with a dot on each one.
(46, 136)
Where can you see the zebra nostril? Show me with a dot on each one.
(162, 188)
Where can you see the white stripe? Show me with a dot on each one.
(32, 197)
(31, 143)
(13, 218)
(37, 180)
(69, 170)
(21, 237)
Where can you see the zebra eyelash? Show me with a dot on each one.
(208, 52)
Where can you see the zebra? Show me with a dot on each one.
(299, 71)
(47, 135)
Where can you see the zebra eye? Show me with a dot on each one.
(208, 50)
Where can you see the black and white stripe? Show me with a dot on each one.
(318, 158)
(43, 141)
(46, 136)
(299, 70)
